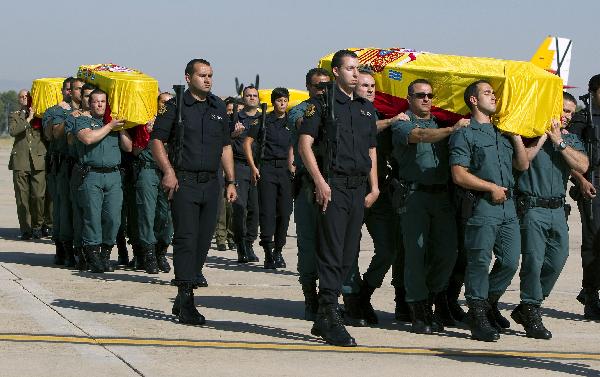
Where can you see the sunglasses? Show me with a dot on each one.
(422, 95)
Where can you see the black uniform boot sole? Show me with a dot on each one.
(346, 343)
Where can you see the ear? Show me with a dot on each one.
(187, 78)
(335, 71)
(473, 100)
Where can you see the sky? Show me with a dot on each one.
(280, 40)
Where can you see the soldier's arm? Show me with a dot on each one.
(88, 136)
(16, 125)
(382, 124)
(125, 141)
(433, 135)
(576, 160)
(533, 149)
(519, 161)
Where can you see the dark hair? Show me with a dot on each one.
(78, 79)
(365, 69)
(472, 91)
(88, 86)
(569, 97)
(97, 91)
(338, 58)
(248, 87)
(594, 83)
(68, 80)
(411, 86)
(189, 68)
(316, 72)
(278, 93)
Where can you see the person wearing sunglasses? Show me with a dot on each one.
(426, 214)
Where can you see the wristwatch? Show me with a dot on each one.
(562, 145)
(231, 183)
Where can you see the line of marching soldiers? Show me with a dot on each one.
(437, 201)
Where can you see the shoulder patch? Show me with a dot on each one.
(310, 111)
(254, 122)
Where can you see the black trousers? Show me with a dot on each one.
(275, 201)
(245, 208)
(194, 209)
(590, 243)
(339, 234)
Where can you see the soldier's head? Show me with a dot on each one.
(229, 105)
(280, 97)
(76, 86)
(66, 89)
(162, 100)
(344, 66)
(98, 99)
(593, 86)
(365, 87)
(313, 77)
(199, 76)
(568, 109)
(480, 97)
(23, 97)
(250, 98)
(420, 94)
(86, 90)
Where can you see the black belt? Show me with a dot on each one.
(432, 189)
(350, 181)
(104, 169)
(509, 194)
(278, 163)
(551, 203)
(198, 176)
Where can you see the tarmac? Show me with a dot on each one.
(61, 322)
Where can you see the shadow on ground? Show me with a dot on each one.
(230, 264)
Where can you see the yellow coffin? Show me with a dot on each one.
(296, 96)
(528, 96)
(131, 93)
(45, 93)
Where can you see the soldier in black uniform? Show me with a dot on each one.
(274, 177)
(192, 184)
(245, 208)
(348, 161)
(584, 192)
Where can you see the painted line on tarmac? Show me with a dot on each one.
(296, 347)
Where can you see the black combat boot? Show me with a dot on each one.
(161, 257)
(330, 326)
(59, 256)
(94, 258)
(175, 308)
(478, 322)
(200, 280)
(70, 261)
(353, 315)
(530, 317)
(591, 310)
(137, 262)
(311, 301)
(442, 309)
(366, 292)
(581, 296)
(269, 262)
(231, 244)
(123, 259)
(150, 263)
(250, 254)
(278, 257)
(418, 314)
(241, 253)
(402, 311)
(188, 314)
(495, 317)
(105, 253)
(81, 262)
(452, 294)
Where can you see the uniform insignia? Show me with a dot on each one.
(162, 109)
(310, 111)
(254, 122)
(365, 113)
(215, 117)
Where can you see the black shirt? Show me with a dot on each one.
(580, 126)
(357, 132)
(278, 138)
(237, 143)
(206, 131)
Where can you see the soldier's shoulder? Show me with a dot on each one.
(217, 102)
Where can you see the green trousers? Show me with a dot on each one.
(30, 190)
(63, 187)
(77, 214)
(381, 223)
(306, 213)
(430, 243)
(153, 215)
(545, 248)
(101, 198)
(224, 230)
(484, 235)
(51, 181)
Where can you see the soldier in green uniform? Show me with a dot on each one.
(482, 159)
(544, 230)
(427, 214)
(52, 121)
(154, 226)
(27, 161)
(306, 210)
(100, 191)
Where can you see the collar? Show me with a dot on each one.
(414, 118)
(243, 115)
(189, 100)
(488, 128)
(340, 96)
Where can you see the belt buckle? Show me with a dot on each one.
(555, 203)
